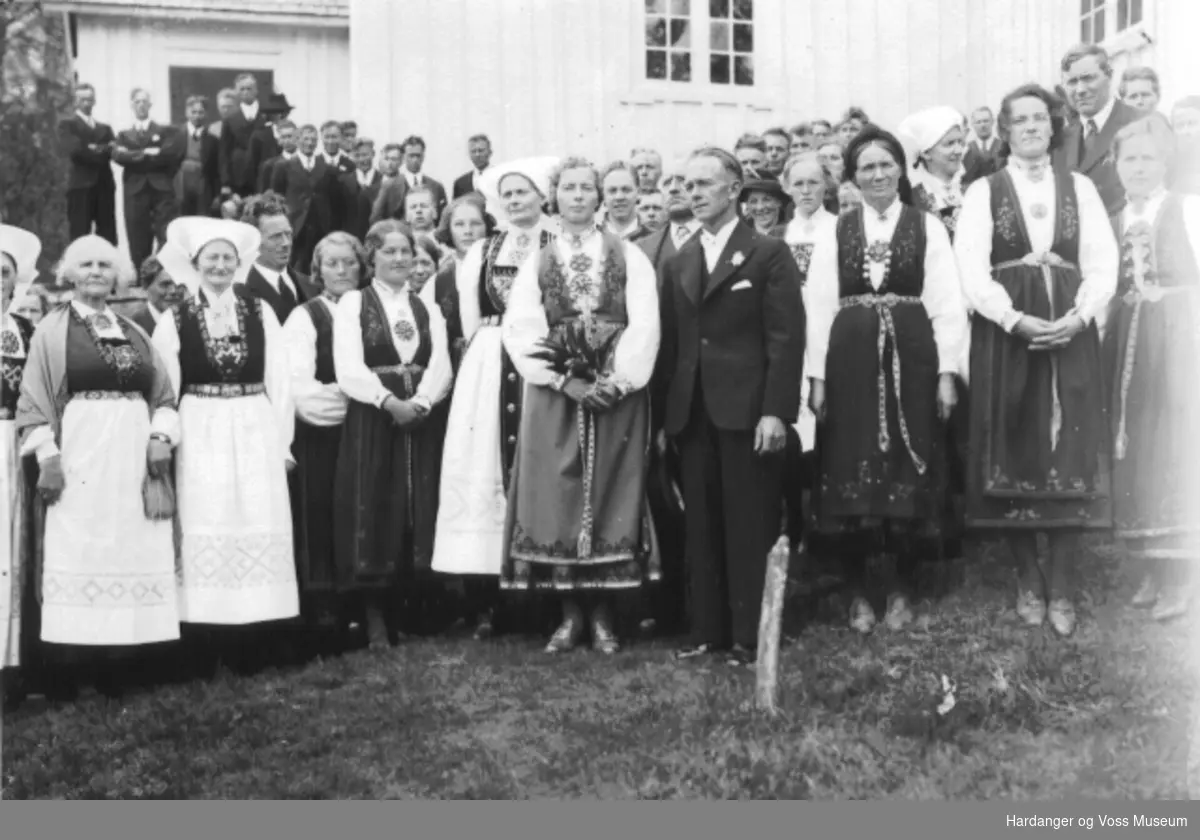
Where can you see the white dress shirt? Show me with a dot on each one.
(365, 178)
(357, 380)
(86, 118)
(250, 112)
(221, 318)
(414, 178)
(142, 125)
(1101, 118)
(623, 232)
(714, 243)
(681, 232)
(277, 278)
(525, 321)
(317, 403)
(307, 162)
(941, 293)
(1098, 252)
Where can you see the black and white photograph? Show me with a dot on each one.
(601, 400)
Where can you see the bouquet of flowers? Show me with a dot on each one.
(572, 354)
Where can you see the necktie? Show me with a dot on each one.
(285, 291)
(681, 235)
(1090, 133)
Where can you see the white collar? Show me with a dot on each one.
(800, 229)
(366, 177)
(142, 125)
(331, 158)
(1149, 211)
(306, 162)
(721, 236)
(87, 119)
(386, 291)
(1026, 168)
(624, 231)
(193, 131)
(891, 213)
(412, 177)
(249, 111)
(215, 299)
(86, 311)
(691, 225)
(1102, 116)
(935, 185)
(271, 274)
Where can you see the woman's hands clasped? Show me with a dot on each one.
(405, 413)
(1049, 335)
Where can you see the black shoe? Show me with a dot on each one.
(741, 656)
(692, 651)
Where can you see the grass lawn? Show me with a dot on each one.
(1104, 714)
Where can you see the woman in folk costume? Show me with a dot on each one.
(339, 264)
(485, 411)
(1038, 264)
(19, 252)
(97, 408)
(226, 355)
(887, 322)
(936, 140)
(392, 360)
(463, 224)
(578, 521)
(1152, 349)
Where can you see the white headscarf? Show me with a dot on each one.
(24, 248)
(925, 129)
(187, 235)
(536, 169)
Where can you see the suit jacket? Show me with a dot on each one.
(259, 287)
(344, 164)
(156, 172)
(210, 164)
(390, 202)
(266, 172)
(263, 147)
(659, 246)
(742, 339)
(88, 169)
(464, 184)
(237, 166)
(309, 194)
(1097, 165)
(357, 202)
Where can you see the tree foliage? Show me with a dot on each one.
(37, 80)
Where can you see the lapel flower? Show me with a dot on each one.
(737, 259)
(155, 139)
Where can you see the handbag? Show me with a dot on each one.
(158, 498)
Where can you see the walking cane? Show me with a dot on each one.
(770, 627)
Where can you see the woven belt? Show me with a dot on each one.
(407, 371)
(1045, 261)
(883, 305)
(226, 390)
(107, 395)
(1136, 298)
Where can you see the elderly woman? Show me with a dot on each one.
(19, 252)
(1039, 264)
(391, 357)
(766, 206)
(887, 323)
(485, 412)
(578, 521)
(937, 136)
(225, 353)
(97, 408)
(1151, 349)
(339, 263)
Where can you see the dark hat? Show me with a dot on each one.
(767, 185)
(276, 103)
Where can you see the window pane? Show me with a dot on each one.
(718, 69)
(681, 33)
(743, 37)
(1135, 13)
(1122, 14)
(681, 67)
(1085, 30)
(681, 7)
(656, 64)
(743, 70)
(659, 7)
(743, 9)
(656, 32)
(718, 8)
(1098, 26)
(718, 38)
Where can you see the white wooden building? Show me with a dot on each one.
(601, 76)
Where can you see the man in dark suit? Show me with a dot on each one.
(360, 188)
(150, 155)
(331, 151)
(729, 378)
(681, 224)
(310, 188)
(390, 203)
(160, 292)
(199, 179)
(982, 157)
(285, 138)
(1087, 79)
(271, 279)
(91, 190)
(267, 143)
(479, 149)
(238, 172)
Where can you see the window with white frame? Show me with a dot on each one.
(708, 41)
(1102, 19)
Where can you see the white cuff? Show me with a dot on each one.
(1010, 319)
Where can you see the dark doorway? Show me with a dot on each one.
(209, 81)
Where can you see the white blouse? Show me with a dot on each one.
(1098, 252)
(40, 440)
(635, 353)
(801, 231)
(357, 380)
(317, 403)
(940, 293)
(944, 193)
(221, 317)
(466, 278)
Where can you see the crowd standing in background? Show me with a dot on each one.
(324, 403)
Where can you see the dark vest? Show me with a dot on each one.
(378, 348)
(204, 360)
(323, 322)
(1010, 240)
(906, 271)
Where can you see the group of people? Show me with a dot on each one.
(574, 405)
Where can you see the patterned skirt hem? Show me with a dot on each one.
(548, 560)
